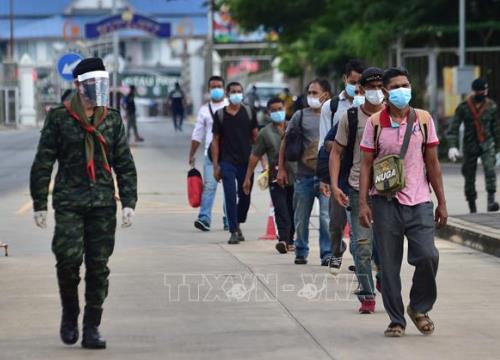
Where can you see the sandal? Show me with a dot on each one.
(394, 330)
(423, 322)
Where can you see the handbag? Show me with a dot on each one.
(389, 171)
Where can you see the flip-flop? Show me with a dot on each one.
(420, 325)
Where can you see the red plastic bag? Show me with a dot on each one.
(194, 187)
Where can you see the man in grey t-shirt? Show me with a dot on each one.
(306, 183)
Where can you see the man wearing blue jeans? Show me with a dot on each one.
(203, 132)
(347, 145)
(234, 131)
(307, 184)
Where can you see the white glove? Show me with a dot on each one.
(41, 219)
(127, 215)
(453, 153)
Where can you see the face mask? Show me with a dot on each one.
(350, 90)
(94, 87)
(236, 98)
(400, 97)
(479, 97)
(216, 94)
(278, 116)
(374, 97)
(313, 102)
(394, 124)
(358, 100)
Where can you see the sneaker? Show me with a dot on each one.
(240, 235)
(281, 247)
(325, 261)
(202, 225)
(139, 139)
(334, 265)
(233, 240)
(367, 306)
(300, 260)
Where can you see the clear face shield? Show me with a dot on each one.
(94, 87)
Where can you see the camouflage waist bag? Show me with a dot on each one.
(388, 171)
(389, 174)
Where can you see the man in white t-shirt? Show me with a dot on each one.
(203, 132)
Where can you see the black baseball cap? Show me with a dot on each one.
(371, 74)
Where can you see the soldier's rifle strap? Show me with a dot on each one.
(476, 118)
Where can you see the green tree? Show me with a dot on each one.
(323, 34)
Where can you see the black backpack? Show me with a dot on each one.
(294, 144)
(322, 167)
(322, 171)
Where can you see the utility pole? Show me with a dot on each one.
(461, 35)
(114, 11)
(11, 22)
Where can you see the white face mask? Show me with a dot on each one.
(313, 102)
(375, 97)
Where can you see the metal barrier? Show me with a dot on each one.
(9, 106)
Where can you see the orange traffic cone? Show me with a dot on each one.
(271, 229)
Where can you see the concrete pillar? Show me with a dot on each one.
(27, 114)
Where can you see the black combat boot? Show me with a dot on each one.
(492, 204)
(472, 206)
(91, 337)
(69, 321)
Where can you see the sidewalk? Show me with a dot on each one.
(177, 293)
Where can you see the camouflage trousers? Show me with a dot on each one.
(84, 234)
(469, 167)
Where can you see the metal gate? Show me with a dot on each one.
(9, 106)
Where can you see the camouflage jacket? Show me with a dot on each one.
(62, 139)
(489, 122)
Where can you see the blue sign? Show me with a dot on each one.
(67, 64)
(126, 21)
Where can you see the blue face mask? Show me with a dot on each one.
(216, 94)
(400, 97)
(350, 90)
(358, 100)
(278, 116)
(236, 98)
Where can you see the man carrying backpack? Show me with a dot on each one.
(346, 147)
(234, 131)
(333, 109)
(399, 146)
(203, 132)
(301, 144)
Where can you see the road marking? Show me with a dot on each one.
(24, 209)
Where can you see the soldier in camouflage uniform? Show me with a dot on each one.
(88, 140)
(481, 139)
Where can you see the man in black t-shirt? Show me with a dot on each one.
(234, 129)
